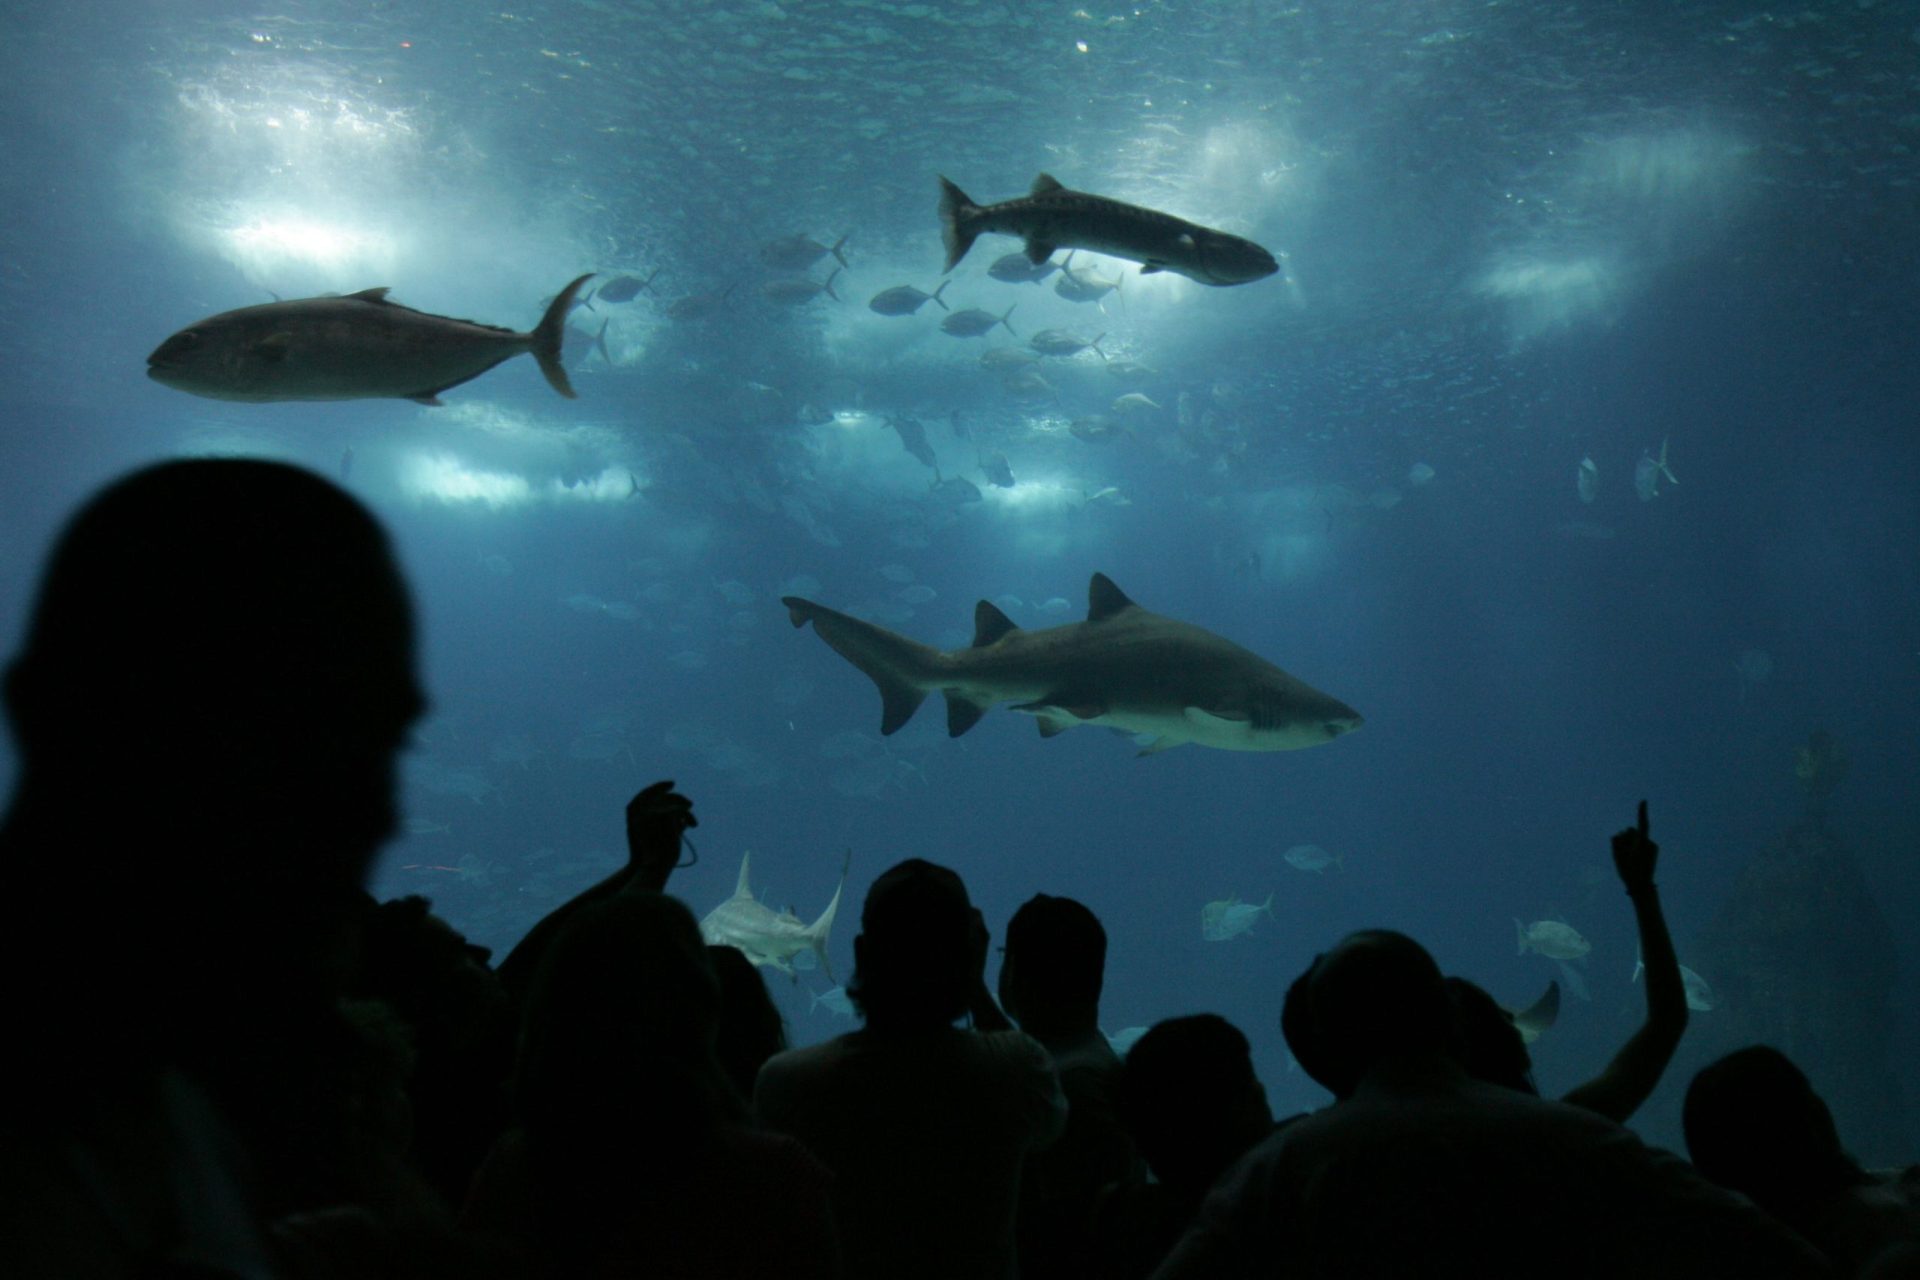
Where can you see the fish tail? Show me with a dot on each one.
(957, 231)
(942, 289)
(600, 343)
(646, 285)
(1003, 319)
(838, 245)
(548, 334)
(828, 286)
(900, 668)
(1095, 344)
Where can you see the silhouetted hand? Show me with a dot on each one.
(1634, 855)
(657, 817)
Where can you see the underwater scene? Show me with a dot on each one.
(1390, 440)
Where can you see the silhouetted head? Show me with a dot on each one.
(222, 652)
(913, 963)
(1754, 1123)
(1053, 966)
(1378, 995)
(1189, 1097)
(751, 1029)
(427, 971)
(1492, 1047)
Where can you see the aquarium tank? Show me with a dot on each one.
(1465, 421)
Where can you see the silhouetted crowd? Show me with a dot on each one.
(231, 1062)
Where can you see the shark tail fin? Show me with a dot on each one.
(741, 888)
(548, 334)
(957, 232)
(900, 668)
(818, 931)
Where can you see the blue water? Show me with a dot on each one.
(1513, 236)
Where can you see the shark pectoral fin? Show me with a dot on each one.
(1038, 251)
(1050, 727)
(1152, 268)
(1159, 744)
(962, 713)
(1213, 720)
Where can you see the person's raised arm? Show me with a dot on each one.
(1618, 1091)
(657, 818)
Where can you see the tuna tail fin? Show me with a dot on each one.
(600, 343)
(942, 289)
(900, 668)
(1003, 319)
(828, 286)
(547, 334)
(1095, 344)
(838, 245)
(646, 286)
(956, 218)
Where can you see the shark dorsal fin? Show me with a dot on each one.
(990, 624)
(1045, 185)
(1104, 599)
(370, 295)
(741, 890)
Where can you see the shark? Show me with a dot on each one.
(1164, 681)
(769, 937)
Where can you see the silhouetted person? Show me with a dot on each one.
(657, 820)
(1755, 1124)
(923, 1125)
(631, 1156)
(751, 1028)
(214, 682)
(1190, 1098)
(1051, 971)
(1420, 1170)
(462, 1030)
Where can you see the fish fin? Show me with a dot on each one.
(838, 245)
(1104, 599)
(548, 334)
(887, 659)
(962, 713)
(956, 218)
(935, 295)
(1050, 727)
(1159, 744)
(1005, 315)
(427, 398)
(1212, 719)
(600, 343)
(647, 284)
(274, 347)
(828, 286)
(990, 624)
(1152, 268)
(1520, 932)
(740, 888)
(1038, 251)
(1539, 1016)
(1045, 185)
(1095, 344)
(370, 295)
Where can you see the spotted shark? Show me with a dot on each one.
(1124, 668)
(769, 937)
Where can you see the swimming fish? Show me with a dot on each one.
(1051, 216)
(1311, 857)
(1013, 268)
(1228, 919)
(1539, 1016)
(904, 299)
(625, 288)
(1124, 668)
(1058, 342)
(1083, 284)
(1700, 996)
(973, 322)
(998, 472)
(357, 347)
(798, 252)
(799, 290)
(766, 936)
(1554, 939)
(1587, 479)
(1647, 473)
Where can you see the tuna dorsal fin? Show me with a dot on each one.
(741, 890)
(1045, 185)
(371, 295)
(990, 624)
(1104, 599)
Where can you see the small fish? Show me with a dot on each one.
(1013, 268)
(1133, 405)
(798, 252)
(1050, 217)
(1538, 1017)
(956, 490)
(1587, 479)
(998, 472)
(625, 288)
(904, 299)
(580, 343)
(1647, 473)
(913, 438)
(1083, 284)
(1311, 857)
(1419, 474)
(1228, 919)
(1131, 370)
(1028, 384)
(1058, 342)
(1700, 997)
(834, 999)
(1554, 939)
(797, 291)
(973, 322)
(357, 347)
(1006, 359)
(1110, 495)
(1095, 428)
(918, 593)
